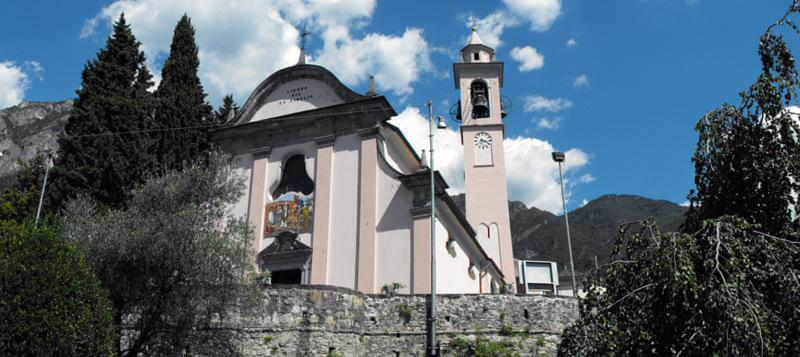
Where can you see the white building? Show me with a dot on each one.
(337, 196)
(538, 277)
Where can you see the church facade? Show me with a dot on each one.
(337, 196)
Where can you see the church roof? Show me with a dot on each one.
(474, 39)
(294, 89)
(298, 104)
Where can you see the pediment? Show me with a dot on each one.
(294, 90)
(297, 96)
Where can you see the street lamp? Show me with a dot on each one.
(44, 186)
(440, 124)
(559, 157)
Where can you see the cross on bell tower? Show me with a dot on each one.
(479, 77)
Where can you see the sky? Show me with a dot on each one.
(617, 85)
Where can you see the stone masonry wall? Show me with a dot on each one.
(316, 320)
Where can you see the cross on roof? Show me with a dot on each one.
(474, 22)
(303, 35)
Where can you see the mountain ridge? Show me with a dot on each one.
(29, 129)
(541, 235)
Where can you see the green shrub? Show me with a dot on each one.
(51, 303)
(481, 346)
(405, 312)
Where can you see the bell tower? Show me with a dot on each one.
(479, 77)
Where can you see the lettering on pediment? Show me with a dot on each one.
(299, 93)
(297, 96)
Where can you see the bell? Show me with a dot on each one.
(480, 108)
(503, 112)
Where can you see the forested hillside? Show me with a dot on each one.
(541, 235)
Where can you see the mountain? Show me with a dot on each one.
(541, 235)
(29, 129)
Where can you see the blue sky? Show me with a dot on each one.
(618, 85)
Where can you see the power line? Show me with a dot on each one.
(223, 125)
(139, 131)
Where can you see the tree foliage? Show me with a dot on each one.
(19, 203)
(173, 260)
(729, 289)
(51, 303)
(227, 108)
(746, 160)
(182, 110)
(105, 150)
(728, 286)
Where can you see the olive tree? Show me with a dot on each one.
(174, 260)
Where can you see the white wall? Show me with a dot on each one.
(344, 211)
(393, 158)
(242, 168)
(393, 251)
(452, 275)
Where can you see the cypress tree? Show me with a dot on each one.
(228, 106)
(182, 109)
(106, 150)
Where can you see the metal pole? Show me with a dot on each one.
(569, 240)
(432, 342)
(41, 196)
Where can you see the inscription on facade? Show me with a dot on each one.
(297, 94)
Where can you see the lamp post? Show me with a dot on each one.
(440, 124)
(44, 186)
(559, 157)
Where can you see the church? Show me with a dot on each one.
(337, 195)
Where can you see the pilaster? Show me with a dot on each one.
(257, 196)
(322, 206)
(367, 205)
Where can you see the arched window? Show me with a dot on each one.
(483, 231)
(480, 99)
(494, 231)
(294, 178)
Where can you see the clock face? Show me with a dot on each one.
(483, 140)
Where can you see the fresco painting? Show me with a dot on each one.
(291, 212)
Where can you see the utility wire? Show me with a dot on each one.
(222, 125)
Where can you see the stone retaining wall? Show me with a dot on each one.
(315, 320)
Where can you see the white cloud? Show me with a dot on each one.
(571, 43)
(686, 204)
(531, 174)
(15, 80)
(491, 27)
(537, 103)
(244, 41)
(448, 153)
(581, 81)
(395, 61)
(529, 56)
(540, 13)
(584, 202)
(550, 124)
(586, 178)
